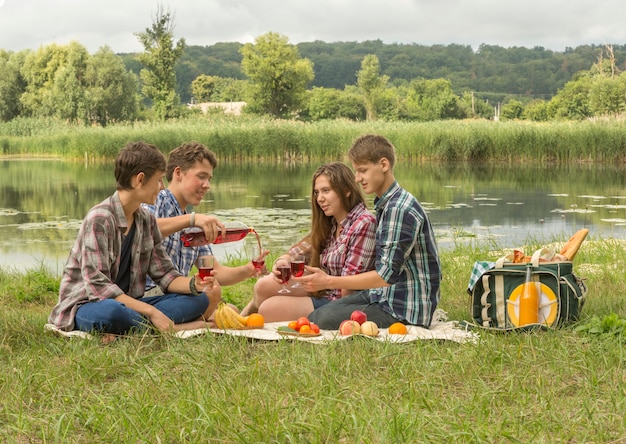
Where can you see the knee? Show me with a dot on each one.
(264, 288)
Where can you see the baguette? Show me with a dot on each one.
(571, 247)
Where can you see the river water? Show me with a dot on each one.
(42, 203)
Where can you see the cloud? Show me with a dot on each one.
(554, 24)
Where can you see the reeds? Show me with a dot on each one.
(247, 137)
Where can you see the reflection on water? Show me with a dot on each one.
(42, 203)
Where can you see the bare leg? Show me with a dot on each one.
(285, 308)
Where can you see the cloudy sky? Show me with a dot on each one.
(552, 24)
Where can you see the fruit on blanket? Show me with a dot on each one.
(303, 320)
(398, 328)
(571, 247)
(359, 316)
(305, 329)
(255, 320)
(369, 328)
(314, 328)
(349, 327)
(293, 325)
(227, 318)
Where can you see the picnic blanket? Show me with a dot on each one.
(440, 329)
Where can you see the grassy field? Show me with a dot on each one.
(261, 138)
(566, 385)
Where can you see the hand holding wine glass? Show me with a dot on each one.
(205, 265)
(297, 267)
(283, 272)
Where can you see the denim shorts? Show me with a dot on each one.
(319, 302)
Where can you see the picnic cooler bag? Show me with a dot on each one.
(495, 294)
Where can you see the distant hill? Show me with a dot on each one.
(491, 72)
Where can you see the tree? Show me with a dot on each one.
(111, 90)
(203, 87)
(432, 100)
(11, 85)
(278, 76)
(371, 84)
(159, 59)
(54, 77)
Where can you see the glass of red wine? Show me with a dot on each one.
(257, 258)
(204, 264)
(283, 268)
(297, 267)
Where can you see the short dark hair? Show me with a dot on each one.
(134, 158)
(371, 148)
(186, 155)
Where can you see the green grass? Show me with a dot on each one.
(249, 137)
(564, 385)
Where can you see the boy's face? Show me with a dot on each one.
(371, 176)
(151, 187)
(190, 186)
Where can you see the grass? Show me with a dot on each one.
(564, 385)
(249, 137)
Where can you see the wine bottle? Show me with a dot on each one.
(235, 231)
(529, 300)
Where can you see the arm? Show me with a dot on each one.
(318, 280)
(210, 224)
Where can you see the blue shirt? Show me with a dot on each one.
(406, 258)
(183, 257)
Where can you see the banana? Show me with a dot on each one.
(219, 317)
(231, 318)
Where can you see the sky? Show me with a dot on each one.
(551, 24)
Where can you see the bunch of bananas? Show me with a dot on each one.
(227, 318)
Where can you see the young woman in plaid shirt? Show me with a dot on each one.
(341, 242)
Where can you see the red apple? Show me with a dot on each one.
(359, 316)
(349, 327)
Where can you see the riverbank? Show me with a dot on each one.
(247, 137)
(563, 385)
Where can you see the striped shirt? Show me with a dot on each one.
(183, 257)
(406, 258)
(353, 251)
(93, 263)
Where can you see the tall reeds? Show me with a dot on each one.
(246, 137)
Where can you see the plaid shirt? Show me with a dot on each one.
(406, 258)
(93, 263)
(353, 251)
(183, 257)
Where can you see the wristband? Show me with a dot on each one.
(192, 287)
(192, 219)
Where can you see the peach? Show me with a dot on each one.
(369, 328)
(349, 327)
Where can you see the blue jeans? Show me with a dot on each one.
(111, 316)
(329, 316)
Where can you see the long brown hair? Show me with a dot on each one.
(343, 183)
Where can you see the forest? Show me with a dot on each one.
(311, 81)
(492, 72)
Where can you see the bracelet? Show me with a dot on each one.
(192, 287)
(192, 219)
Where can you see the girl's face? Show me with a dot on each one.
(328, 200)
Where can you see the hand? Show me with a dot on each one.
(314, 281)
(204, 284)
(211, 226)
(214, 293)
(160, 321)
(258, 272)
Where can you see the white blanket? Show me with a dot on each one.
(440, 328)
(449, 331)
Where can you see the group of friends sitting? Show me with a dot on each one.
(129, 270)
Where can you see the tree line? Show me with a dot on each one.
(311, 81)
